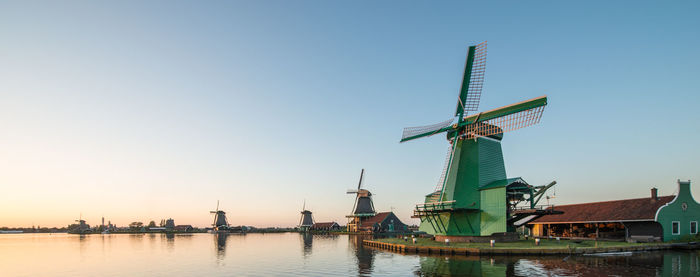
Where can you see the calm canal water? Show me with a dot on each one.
(292, 254)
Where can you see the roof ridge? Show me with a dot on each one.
(608, 201)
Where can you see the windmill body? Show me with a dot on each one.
(220, 220)
(81, 227)
(220, 223)
(306, 220)
(474, 198)
(363, 207)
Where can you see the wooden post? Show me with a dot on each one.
(596, 231)
(571, 230)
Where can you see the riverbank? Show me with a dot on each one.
(523, 247)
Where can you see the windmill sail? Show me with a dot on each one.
(362, 174)
(506, 119)
(473, 80)
(448, 159)
(410, 133)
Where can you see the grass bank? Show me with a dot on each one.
(522, 244)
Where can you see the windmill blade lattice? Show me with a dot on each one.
(476, 80)
(448, 159)
(426, 130)
(362, 175)
(505, 123)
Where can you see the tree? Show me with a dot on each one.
(151, 224)
(135, 225)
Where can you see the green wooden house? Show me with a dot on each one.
(679, 218)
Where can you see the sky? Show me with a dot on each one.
(144, 110)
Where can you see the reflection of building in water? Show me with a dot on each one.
(365, 256)
(652, 263)
(681, 264)
(221, 244)
(658, 263)
(308, 240)
(465, 266)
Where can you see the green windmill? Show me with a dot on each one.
(474, 200)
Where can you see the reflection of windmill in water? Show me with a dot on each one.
(308, 240)
(363, 207)
(364, 256)
(306, 220)
(221, 244)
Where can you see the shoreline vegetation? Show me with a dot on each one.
(524, 247)
(126, 230)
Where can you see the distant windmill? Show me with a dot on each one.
(220, 222)
(362, 207)
(306, 220)
(81, 227)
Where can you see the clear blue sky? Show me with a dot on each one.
(140, 111)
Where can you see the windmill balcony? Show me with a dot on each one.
(433, 207)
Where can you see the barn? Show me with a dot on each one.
(382, 223)
(325, 226)
(651, 218)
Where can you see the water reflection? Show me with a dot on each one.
(293, 254)
(308, 241)
(364, 256)
(667, 263)
(170, 242)
(464, 266)
(221, 245)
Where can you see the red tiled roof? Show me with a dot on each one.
(369, 222)
(323, 225)
(616, 210)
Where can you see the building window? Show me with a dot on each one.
(676, 228)
(693, 227)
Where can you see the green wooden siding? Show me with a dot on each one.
(674, 211)
(475, 163)
(493, 215)
(491, 166)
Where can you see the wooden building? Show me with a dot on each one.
(651, 218)
(183, 228)
(381, 223)
(325, 226)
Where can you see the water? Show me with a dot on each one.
(292, 254)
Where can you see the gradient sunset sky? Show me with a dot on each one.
(143, 110)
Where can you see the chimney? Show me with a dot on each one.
(654, 194)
